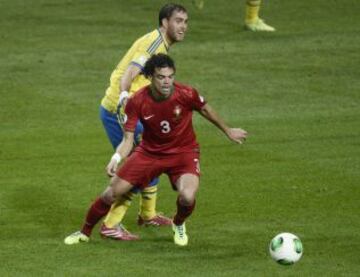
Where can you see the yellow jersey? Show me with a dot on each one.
(138, 54)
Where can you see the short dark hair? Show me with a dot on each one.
(168, 10)
(157, 61)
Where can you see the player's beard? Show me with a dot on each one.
(176, 36)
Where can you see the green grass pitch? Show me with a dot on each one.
(296, 91)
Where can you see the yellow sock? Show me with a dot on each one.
(118, 210)
(252, 10)
(148, 202)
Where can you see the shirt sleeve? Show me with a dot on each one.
(197, 101)
(131, 116)
(142, 53)
(145, 48)
(140, 57)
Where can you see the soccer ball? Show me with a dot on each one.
(286, 248)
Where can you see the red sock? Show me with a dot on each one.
(183, 212)
(97, 210)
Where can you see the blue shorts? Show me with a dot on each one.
(115, 132)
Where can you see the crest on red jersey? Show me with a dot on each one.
(177, 112)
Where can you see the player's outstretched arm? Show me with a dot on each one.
(237, 135)
(122, 151)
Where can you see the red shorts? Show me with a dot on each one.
(140, 168)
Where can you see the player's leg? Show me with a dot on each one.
(187, 186)
(99, 208)
(184, 175)
(147, 208)
(252, 20)
(147, 212)
(138, 169)
(112, 226)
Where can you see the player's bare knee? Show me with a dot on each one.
(118, 191)
(119, 187)
(190, 192)
(108, 195)
(187, 197)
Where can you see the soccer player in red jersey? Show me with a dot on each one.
(168, 146)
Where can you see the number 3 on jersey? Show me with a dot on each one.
(165, 126)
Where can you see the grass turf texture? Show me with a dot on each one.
(296, 91)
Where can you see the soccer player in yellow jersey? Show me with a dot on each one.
(125, 80)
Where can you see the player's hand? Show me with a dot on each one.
(121, 116)
(123, 98)
(120, 110)
(111, 167)
(124, 102)
(237, 135)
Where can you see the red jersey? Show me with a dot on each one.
(167, 123)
